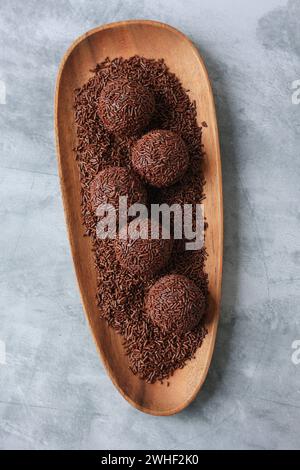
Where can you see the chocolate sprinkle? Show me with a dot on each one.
(152, 354)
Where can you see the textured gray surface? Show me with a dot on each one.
(54, 392)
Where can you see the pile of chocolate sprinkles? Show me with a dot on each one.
(152, 354)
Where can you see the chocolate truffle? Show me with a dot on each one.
(143, 256)
(125, 107)
(113, 182)
(175, 304)
(160, 157)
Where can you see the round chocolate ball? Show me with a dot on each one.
(175, 304)
(160, 157)
(125, 107)
(113, 182)
(143, 256)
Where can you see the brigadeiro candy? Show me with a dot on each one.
(113, 182)
(175, 304)
(143, 256)
(125, 107)
(160, 157)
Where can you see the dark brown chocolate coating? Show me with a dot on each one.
(160, 157)
(143, 257)
(175, 304)
(125, 107)
(113, 182)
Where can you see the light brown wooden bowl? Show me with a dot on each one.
(152, 40)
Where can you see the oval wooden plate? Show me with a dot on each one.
(152, 40)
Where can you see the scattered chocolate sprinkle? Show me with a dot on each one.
(175, 304)
(160, 157)
(153, 355)
(125, 106)
(204, 124)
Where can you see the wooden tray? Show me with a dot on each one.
(152, 40)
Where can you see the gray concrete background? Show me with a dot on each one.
(54, 393)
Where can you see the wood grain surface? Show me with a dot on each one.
(152, 40)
